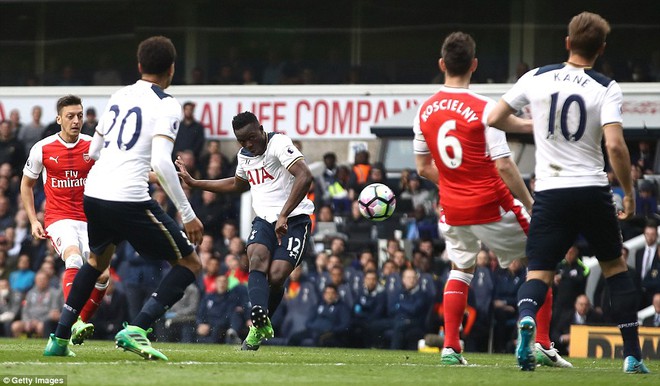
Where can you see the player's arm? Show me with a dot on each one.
(511, 176)
(96, 145)
(301, 184)
(619, 157)
(426, 167)
(223, 185)
(161, 163)
(27, 197)
(502, 117)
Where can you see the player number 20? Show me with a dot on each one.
(446, 142)
(120, 137)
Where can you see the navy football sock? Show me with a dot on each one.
(531, 296)
(81, 288)
(258, 289)
(274, 299)
(624, 300)
(169, 291)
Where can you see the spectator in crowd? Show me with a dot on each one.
(69, 77)
(337, 193)
(646, 202)
(40, 311)
(408, 314)
(209, 273)
(359, 175)
(228, 232)
(15, 121)
(644, 157)
(112, 312)
(328, 324)
(300, 298)
(22, 279)
(482, 286)
(139, 276)
(220, 315)
(11, 149)
(6, 216)
(10, 306)
(328, 176)
(580, 314)
(197, 76)
(211, 155)
(212, 212)
(570, 280)
(105, 74)
(31, 132)
(180, 319)
(505, 299)
(89, 126)
(370, 306)
(191, 134)
(419, 195)
(646, 260)
(654, 320)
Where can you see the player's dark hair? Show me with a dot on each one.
(243, 119)
(67, 100)
(458, 52)
(587, 32)
(330, 285)
(156, 54)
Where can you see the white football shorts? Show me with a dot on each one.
(506, 238)
(66, 233)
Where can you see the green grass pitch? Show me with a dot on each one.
(99, 363)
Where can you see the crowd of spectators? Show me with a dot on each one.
(362, 284)
(293, 65)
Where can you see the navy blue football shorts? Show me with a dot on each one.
(145, 225)
(560, 215)
(293, 243)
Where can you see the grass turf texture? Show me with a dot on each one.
(99, 363)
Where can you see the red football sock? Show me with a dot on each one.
(454, 303)
(92, 304)
(67, 280)
(543, 318)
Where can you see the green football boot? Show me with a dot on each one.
(134, 339)
(451, 357)
(58, 347)
(81, 331)
(261, 329)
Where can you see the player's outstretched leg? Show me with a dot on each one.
(525, 346)
(261, 329)
(81, 331)
(134, 339)
(58, 347)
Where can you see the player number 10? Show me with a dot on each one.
(563, 117)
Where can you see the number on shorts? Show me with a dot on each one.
(294, 246)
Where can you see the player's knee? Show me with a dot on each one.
(73, 261)
(259, 262)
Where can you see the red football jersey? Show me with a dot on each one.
(452, 125)
(65, 167)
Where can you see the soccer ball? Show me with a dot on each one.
(376, 202)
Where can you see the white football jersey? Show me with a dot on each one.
(269, 177)
(569, 107)
(133, 116)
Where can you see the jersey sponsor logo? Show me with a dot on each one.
(71, 180)
(258, 176)
(54, 158)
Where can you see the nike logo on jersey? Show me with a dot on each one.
(54, 159)
(68, 284)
